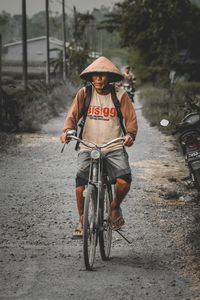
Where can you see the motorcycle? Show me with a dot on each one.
(130, 90)
(189, 139)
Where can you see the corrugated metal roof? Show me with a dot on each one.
(51, 39)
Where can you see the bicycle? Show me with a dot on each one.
(96, 217)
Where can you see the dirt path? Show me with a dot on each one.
(38, 259)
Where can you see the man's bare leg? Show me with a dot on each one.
(121, 189)
(80, 204)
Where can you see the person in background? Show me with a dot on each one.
(129, 77)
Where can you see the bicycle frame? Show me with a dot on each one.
(96, 165)
(97, 177)
(95, 172)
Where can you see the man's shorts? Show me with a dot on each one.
(116, 163)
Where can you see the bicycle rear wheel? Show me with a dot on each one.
(105, 234)
(89, 227)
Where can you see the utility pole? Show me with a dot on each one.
(101, 42)
(75, 26)
(0, 60)
(64, 40)
(47, 44)
(24, 45)
(0, 81)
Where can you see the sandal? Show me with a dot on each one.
(114, 221)
(78, 234)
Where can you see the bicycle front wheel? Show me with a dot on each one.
(105, 234)
(89, 227)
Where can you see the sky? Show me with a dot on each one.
(34, 6)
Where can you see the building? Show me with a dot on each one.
(36, 50)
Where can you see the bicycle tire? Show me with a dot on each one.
(89, 227)
(105, 234)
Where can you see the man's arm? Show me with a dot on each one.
(130, 119)
(74, 115)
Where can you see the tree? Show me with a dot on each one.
(4, 22)
(81, 22)
(157, 31)
(77, 61)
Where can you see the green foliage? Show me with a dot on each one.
(36, 25)
(158, 31)
(9, 27)
(103, 40)
(189, 92)
(171, 105)
(81, 22)
(77, 60)
(157, 104)
(134, 59)
(196, 2)
(4, 20)
(26, 111)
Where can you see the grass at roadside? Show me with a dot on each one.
(172, 104)
(25, 112)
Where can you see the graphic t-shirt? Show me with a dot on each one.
(102, 123)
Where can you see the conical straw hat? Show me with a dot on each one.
(103, 65)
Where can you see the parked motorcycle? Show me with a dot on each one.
(189, 139)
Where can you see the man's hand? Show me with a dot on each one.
(128, 140)
(64, 138)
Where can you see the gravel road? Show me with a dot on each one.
(40, 261)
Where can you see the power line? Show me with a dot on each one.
(60, 2)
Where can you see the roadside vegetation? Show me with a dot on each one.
(26, 111)
(160, 37)
(162, 43)
(172, 103)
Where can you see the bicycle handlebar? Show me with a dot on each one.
(94, 145)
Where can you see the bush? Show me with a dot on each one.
(156, 104)
(25, 112)
(45, 106)
(172, 104)
(189, 94)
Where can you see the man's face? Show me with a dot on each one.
(127, 70)
(100, 80)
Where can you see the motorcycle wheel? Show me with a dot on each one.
(197, 179)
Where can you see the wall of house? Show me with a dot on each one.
(36, 51)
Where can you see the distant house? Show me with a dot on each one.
(36, 49)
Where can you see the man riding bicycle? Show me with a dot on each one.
(102, 124)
